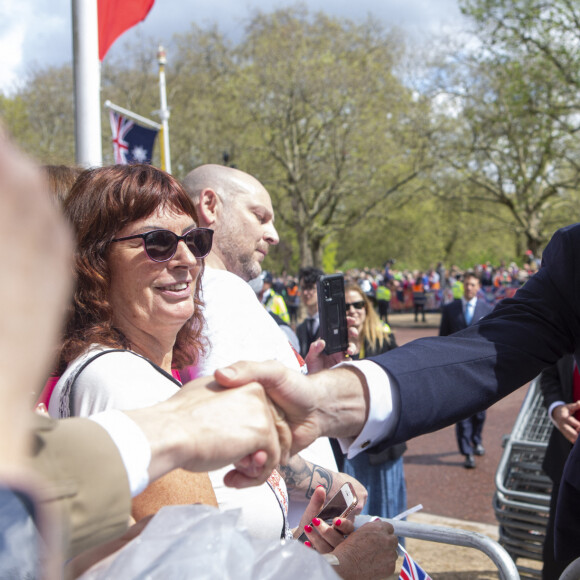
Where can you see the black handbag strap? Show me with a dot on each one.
(70, 384)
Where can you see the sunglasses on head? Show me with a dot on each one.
(161, 245)
(356, 305)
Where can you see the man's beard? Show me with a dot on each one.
(243, 264)
(247, 267)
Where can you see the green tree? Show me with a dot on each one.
(547, 30)
(513, 138)
(325, 123)
(41, 115)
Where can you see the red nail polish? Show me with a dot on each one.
(337, 523)
(307, 543)
(319, 486)
(315, 522)
(308, 529)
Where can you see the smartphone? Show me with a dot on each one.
(332, 313)
(338, 506)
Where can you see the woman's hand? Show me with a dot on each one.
(322, 537)
(325, 538)
(369, 552)
(359, 489)
(312, 510)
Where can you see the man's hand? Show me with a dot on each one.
(370, 552)
(290, 390)
(317, 360)
(332, 403)
(567, 424)
(204, 427)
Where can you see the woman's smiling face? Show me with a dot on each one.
(155, 298)
(352, 297)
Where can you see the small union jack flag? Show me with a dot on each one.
(132, 143)
(410, 570)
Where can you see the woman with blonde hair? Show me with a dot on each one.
(374, 336)
(382, 472)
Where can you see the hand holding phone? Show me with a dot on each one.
(339, 505)
(332, 313)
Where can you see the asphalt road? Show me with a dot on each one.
(434, 468)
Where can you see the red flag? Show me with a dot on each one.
(116, 16)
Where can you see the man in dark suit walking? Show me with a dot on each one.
(560, 386)
(456, 316)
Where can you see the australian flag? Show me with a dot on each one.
(410, 570)
(132, 143)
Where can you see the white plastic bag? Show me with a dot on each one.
(201, 542)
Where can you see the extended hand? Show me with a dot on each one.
(332, 403)
(290, 390)
(204, 427)
(567, 424)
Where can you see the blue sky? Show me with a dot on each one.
(37, 33)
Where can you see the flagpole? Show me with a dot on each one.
(87, 83)
(127, 113)
(164, 111)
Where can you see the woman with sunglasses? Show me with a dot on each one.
(382, 472)
(136, 316)
(135, 312)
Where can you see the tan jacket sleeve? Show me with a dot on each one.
(84, 479)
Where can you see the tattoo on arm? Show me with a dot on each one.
(320, 476)
(303, 477)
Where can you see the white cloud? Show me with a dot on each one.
(37, 33)
(11, 43)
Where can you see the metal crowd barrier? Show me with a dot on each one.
(522, 498)
(507, 569)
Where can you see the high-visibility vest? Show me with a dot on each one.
(457, 289)
(383, 293)
(275, 303)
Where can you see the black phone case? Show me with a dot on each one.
(332, 313)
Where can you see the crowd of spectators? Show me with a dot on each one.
(440, 284)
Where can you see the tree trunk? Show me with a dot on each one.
(306, 257)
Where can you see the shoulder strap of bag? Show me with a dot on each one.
(69, 394)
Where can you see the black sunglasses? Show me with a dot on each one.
(356, 305)
(161, 245)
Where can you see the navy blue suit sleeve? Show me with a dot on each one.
(444, 379)
(551, 385)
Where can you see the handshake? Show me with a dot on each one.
(252, 415)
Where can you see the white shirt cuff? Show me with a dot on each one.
(132, 444)
(551, 409)
(383, 399)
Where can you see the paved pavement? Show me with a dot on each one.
(454, 491)
(449, 493)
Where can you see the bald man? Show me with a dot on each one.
(239, 210)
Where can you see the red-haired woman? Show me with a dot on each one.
(135, 313)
